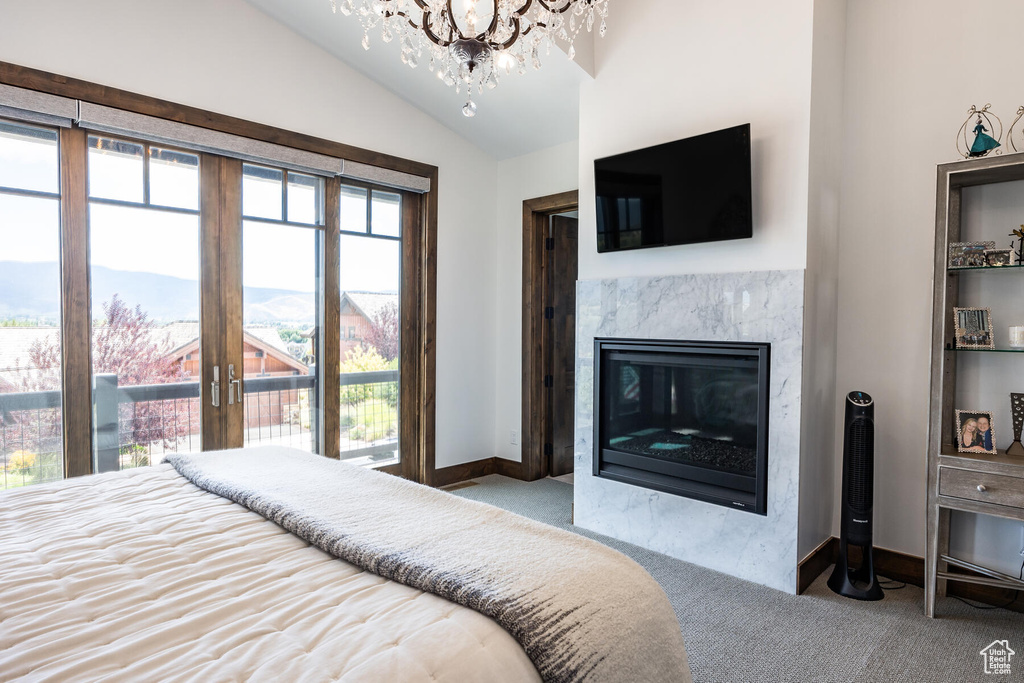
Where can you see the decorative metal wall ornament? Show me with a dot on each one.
(1010, 142)
(1019, 249)
(1017, 411)
(983, 143)
(469, 46)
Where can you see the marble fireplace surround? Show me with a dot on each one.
(763, 306)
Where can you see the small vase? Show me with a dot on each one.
(1016, 335)
(1017, 414)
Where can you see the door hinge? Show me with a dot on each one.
(549, 313)
(549, 381)
(549, 449)
(549, 243)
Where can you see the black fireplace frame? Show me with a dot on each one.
(666, 477)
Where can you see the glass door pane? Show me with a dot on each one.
(31, 439)
(370, 280)
(144, 271)
(281, 267)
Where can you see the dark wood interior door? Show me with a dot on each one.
(560, 349)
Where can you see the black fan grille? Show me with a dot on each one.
(861, 445)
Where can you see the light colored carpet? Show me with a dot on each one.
(743, 632)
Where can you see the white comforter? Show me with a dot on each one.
(141, 576)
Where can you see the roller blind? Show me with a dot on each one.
(118, 122)
(384, 176)
(29, 105)
(36, 107)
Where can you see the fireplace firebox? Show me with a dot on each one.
(684, 417)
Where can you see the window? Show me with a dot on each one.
(371, 251)
(282, 254)
(144, 270)
(31, 437)
(122, 258)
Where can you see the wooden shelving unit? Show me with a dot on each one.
(971, 482)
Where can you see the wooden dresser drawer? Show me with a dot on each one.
(981, 486)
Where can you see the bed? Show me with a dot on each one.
(272, 564)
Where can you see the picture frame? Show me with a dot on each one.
(998, 257)
(973, 328)
(969, 254)
(971, 435)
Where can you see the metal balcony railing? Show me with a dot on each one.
(137, 425)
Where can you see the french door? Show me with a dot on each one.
(200, 303)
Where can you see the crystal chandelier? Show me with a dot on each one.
(470, 44)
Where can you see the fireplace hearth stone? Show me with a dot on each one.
(731, 307)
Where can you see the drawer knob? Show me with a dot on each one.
(982, 488)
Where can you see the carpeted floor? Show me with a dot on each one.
(743, 632)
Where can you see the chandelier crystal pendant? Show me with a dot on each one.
(470, 43)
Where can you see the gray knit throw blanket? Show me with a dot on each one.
(581, 611)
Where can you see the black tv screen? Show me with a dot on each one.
(683, 192)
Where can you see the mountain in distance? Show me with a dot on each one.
(32, 290)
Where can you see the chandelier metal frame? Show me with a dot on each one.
(462, 54)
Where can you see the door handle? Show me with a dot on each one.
(234, 386)
(215, 387)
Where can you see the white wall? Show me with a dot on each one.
(228, 57)
(713, 65)
(542, 173)
(913, 69)
(727, 64)
(821, 277)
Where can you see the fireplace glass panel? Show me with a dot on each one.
(698, 410)
(687, 418)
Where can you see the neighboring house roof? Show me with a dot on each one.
(270, 336)
(15, 344)
(267, 339)
(182, 337)
(369, 304)
(179, 334)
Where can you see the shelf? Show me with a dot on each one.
(949, 450)
(987, 350)
(957, 271)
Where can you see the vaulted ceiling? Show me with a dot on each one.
(523, 114)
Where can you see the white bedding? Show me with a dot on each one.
(153, 579)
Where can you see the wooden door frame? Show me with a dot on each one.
(75, 319)
(536, 212)
(220, 297)
(419, 324)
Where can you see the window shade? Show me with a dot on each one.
(117, 122)
(36, 107)
(384, 176)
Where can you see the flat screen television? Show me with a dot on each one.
(683, 192)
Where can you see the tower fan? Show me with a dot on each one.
(858, 502)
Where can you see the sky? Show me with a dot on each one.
(142, 239)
